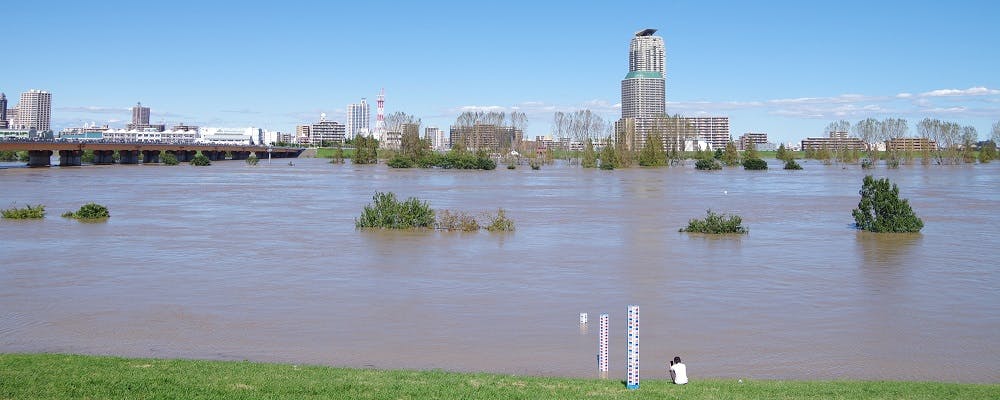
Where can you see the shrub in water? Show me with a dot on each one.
(252, 160)
(89, 211)
(28, 212)
(387, 212)
(201, 160)
(791, 164)
(169, 158)
(754, 164)
(881, 209)
(707, 164)
(716, 224)
(456, 221)
(399, 161)
(500, 222)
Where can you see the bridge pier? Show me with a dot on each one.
(128, 156)
(150, 156)
(241, 155)
(183, 155)
(104, 156)
(39, 158)
(214, 155)
(70, 158)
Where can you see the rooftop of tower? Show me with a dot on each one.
(646, 32)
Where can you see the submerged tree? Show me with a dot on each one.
(731, 157)
(881, 209)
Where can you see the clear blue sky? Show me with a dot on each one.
(784, 68)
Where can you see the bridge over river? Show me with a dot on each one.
(40, 152)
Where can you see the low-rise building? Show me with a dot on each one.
(910, 144)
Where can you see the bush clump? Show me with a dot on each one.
(791, 164)
(28, 212)
(169, 158)
(89, 212)
(399, 161)
(881, 209)
(456, 221)
(707, 165)
(252, 160)
(500, 222)
(388, 212)
(716, 224)
(754, 164)
(201, 160)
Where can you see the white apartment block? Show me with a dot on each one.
(358, 119)
(34, 111)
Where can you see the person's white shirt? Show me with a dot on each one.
(679, 372)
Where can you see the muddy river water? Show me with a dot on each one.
(264, 263)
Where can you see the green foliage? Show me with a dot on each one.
(87, 157)
(731, 157)
(718, 154)
(707, 165)
(365, 150)
(89, 211)
(754, 164)
(338, 155)
(791, 164)
(168, 158)
(252, 160)
(456, 221)
(536, 164)
(200, 160)
(8, 156)
(387, 212)
(881, 209)
(652, 153)
(28, 212)
(23, 156)
(988, 152)
(511, 166)
(751, 152)
(589, 157)
(500, 222)
(609, 157)
(716, 224)
(400, 161)
(783, 154)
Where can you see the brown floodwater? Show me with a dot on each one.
(264, 263)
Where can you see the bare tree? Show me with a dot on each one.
(930, 129)
(893, 129)
(869, 131)
(838, 126)
(996, 133)
(969, 139)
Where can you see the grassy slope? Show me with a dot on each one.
(55, 376)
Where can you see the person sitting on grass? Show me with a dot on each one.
(678, 371)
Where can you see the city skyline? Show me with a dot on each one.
(777, 68)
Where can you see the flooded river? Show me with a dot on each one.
(264, 263)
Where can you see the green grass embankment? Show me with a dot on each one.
(327, 152)
(56, 376)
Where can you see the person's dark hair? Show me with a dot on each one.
(677, 360)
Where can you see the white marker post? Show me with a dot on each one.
(583, 318)
(632, 338)
(602, 347)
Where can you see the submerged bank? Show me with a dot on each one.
(59, 376)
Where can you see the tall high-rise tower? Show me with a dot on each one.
(358, 119)
(3, 111)
(380, 117)
(644, 87)
(34, 111)
(140, 115)
(643, 91)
